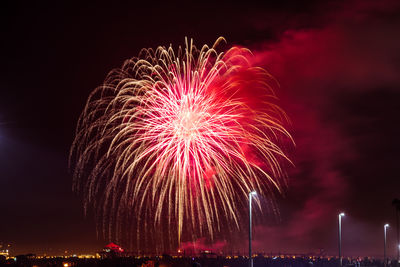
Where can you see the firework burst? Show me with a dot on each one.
(173, 141)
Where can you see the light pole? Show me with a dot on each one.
(398, 252)
(384, 244)
(251, 194)
(340, 237)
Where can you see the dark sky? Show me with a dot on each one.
(338, 65)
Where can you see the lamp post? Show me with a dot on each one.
(384, 244)
(340, 237)
(251, 194)
(398, 252)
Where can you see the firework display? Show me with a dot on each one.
(169, 147)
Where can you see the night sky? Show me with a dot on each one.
(338, 65)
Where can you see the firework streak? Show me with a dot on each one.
(173, 141)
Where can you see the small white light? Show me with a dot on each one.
(386, 225)
(253, 193)
(341, 214)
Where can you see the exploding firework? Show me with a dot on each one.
(173, 141)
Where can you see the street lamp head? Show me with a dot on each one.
(253, 193)
(341, 214)
(386, 225)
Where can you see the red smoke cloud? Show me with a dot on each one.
(351, 52)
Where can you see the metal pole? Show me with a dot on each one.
(340, 239)
(398, 235)
(250, 256)
(398, 249)
(250, 230)
(384, 245)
